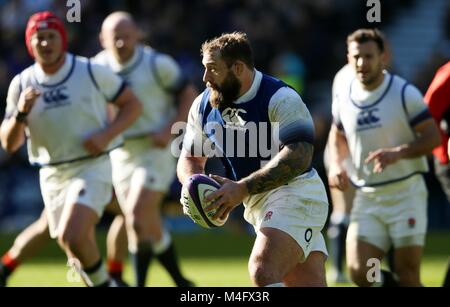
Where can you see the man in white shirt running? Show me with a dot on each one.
(59, 104)
(382, 121)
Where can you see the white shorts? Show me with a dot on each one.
(392, 214)
(299, 209)
(137, 163)
(86, 183)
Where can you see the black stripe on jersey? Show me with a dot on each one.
(297, 132)
(72, 68)
(173, 89)
(424, 115)
(403, 98)
(377, 184)
(91, 75)
(376, 101)
(77, 159)
(119, 91)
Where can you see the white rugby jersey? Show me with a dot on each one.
(343, 78)
(154, 79)
(72, 106)
(382, 118)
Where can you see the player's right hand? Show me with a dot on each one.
(338, 178)
(27, 99)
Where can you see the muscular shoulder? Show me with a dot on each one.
(286, 103)
(101, 58)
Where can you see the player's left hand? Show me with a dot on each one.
(161, 138)
(96, 143)
(229, 196)
(382, 158)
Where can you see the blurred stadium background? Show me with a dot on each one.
(300, 41)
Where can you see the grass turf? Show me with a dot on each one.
(209, 258)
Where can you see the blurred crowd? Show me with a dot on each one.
(300, 41)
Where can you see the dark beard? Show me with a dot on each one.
(223, 96)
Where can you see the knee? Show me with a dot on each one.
(70, 240)
(262, 274)
(42, 226)
(358, 275)
(137, 225)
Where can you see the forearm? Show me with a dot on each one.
(427, 139)
(188, 166)
(290, 162)
(419, 147)
(337, 146)
(126, 116)
(12, 134)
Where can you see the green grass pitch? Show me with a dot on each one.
(209, 258)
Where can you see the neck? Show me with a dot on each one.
(52, 68)
(376, 83)
(247, 82)
(124, 60)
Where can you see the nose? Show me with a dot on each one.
(361, 62)
(44, 43)
(206, 77)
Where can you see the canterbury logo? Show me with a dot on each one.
(55, 95)
(231, 116)
(368, 117)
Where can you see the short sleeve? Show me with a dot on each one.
(341, 84)
(416, 109)
(13, 96)
(195, 140)
(107, 82)
(169, 73)
(295, 122)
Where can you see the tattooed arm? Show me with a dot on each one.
(290, 162)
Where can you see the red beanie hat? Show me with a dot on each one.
(41, 21)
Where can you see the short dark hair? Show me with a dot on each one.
(366, 35)
(232, 47)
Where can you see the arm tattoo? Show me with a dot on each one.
(290, 162)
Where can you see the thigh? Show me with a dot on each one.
(78, 219)
(342, 200)
(408, 258)
(360, 252)
(309, 273)
(408, 219)
(367, 225)
(276, 251)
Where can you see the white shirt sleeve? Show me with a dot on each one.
(109, 84)
(168, 72)
(195, 140)
(13, 96)
(416, 108)
(295, 122)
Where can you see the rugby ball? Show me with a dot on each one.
(194, 190)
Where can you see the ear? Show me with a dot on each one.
(384, 58)
(239, 68)
(101, 40)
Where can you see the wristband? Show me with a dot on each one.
(21, 116)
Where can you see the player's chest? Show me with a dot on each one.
(382, 117)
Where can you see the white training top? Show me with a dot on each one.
(72, 106)
(377, 119)
(155, 78)
(285, 108)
